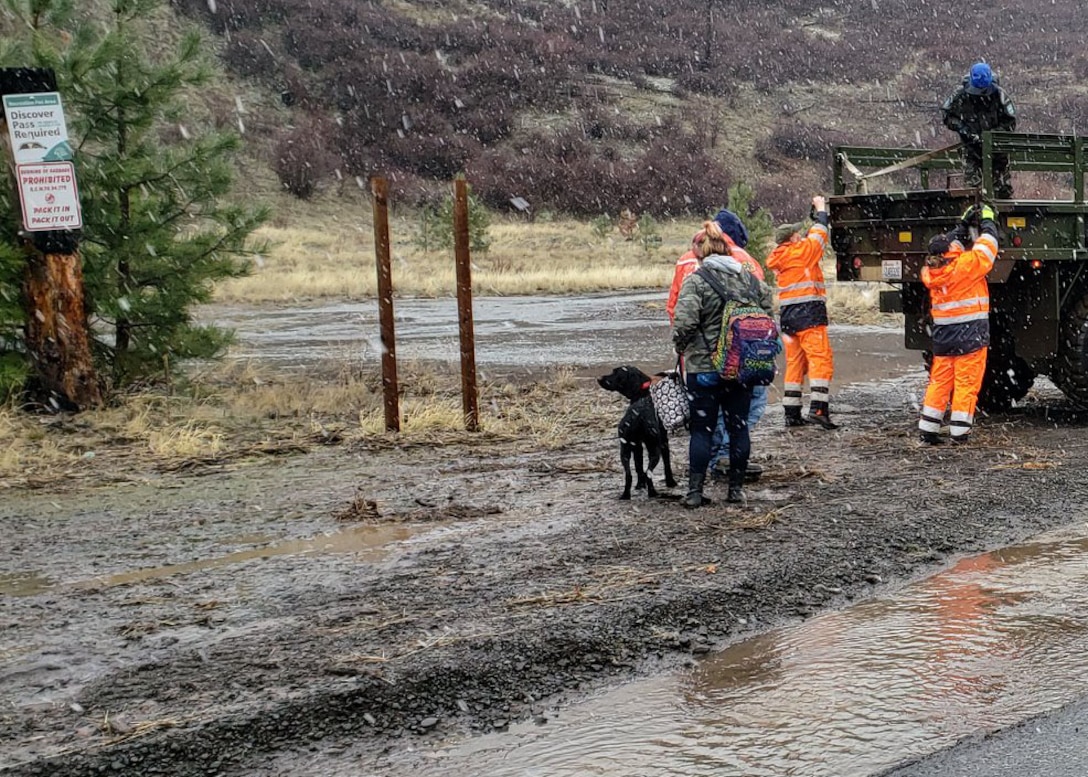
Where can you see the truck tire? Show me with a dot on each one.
(1008, 379)
(1070, 370)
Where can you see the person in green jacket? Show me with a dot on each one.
(696, 326)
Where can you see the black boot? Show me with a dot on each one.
(793, 416)
(695, 496)
(736, 486)
(819, 413)
(752, 474)
(930, 438)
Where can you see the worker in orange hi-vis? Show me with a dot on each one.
(960, 307)
(802, 302)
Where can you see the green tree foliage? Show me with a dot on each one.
(158, 227)
(14, 368)
(648, 236)
(436, 225)
(602, 227)
(759, 222)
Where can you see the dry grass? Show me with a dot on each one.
(328, 254)
(325, 249)
(232, 412)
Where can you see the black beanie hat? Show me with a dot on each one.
(939, 245)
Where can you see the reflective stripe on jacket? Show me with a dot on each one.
(960, 297)
(802, 293)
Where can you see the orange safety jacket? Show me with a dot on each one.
(960, 297)
(802, 293)
(689, 263)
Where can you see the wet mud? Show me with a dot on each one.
(160, 626)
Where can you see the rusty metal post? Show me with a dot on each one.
(464, 305)
(379, 187)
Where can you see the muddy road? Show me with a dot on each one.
(269, 617)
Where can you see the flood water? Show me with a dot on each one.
(585, 332)
(991, 641)
(995, 639)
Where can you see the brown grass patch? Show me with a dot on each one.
(231, 412)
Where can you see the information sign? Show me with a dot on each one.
(46, 176)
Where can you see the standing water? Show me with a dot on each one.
(993, 640)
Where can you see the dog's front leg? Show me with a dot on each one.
(640, 468)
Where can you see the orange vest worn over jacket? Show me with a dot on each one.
(960, 298)
(802, 294)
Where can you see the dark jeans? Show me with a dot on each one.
(733, 400)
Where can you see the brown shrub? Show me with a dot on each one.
(302, 157)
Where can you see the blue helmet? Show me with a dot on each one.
(982, 77)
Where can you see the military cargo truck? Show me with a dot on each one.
(1039, 284)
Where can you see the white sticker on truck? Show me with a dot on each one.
(891, 269)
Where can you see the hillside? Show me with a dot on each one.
(656, 105)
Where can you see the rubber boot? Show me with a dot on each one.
(695, 496)
(793, 416)
(736, 486)
(929, 438)
(819, 413)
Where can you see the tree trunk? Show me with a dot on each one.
(58, 339)
(56, 330)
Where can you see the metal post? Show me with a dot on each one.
(987, 165)
(464, 304)
(379, 187)
(1078, 170)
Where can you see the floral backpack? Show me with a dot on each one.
(748, 341)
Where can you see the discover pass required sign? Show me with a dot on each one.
(43, 167)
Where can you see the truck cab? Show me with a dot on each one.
(888, 203)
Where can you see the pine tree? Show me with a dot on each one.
(158, 228)
(758, 221)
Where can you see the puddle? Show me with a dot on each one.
(370, 543)
(24, 584)
(995, 639)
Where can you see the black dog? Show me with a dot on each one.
(639, 427)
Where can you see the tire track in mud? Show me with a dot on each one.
(568, 589)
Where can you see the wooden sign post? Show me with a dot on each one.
(58, 339)
(379, 187)
(464, 305)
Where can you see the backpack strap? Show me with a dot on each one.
(720, 290)
(714, 283)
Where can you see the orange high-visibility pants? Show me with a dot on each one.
(958, 378)
(807, 353)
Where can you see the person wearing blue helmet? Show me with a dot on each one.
(980, 104)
